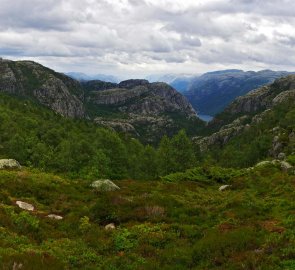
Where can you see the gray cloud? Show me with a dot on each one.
(135, 37)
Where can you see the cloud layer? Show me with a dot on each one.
(138, 37)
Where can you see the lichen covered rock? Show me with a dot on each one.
(9, 164)
(104, 185)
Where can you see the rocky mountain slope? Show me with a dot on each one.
(140, 107)
(213, 91)
(29, 79)
(265, 116)
(135, 106)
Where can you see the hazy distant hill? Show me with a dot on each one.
(84, 77)
(180, 82)
(213, 91)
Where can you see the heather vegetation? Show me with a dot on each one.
(158, 224)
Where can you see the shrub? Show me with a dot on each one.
(205, 175)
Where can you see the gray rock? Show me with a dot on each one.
(286, 166)
(224, 187)
(9, 164)
(281, 156)
(110, 226)
(53, 216)
(25, 206)
(104, 185)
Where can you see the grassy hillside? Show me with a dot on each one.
(159, 224)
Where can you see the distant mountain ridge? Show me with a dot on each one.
(213, 91)
(84, 77)
(143, 109)
(257, 125)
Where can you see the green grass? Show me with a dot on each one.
(159, 224)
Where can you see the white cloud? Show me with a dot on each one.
(136, 37)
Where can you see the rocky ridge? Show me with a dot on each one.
(251, 110)
(211, 92)
(54, 90)
(140, 108)
(133, 106)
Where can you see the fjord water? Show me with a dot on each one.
(205, 117)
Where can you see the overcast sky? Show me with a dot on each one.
(134, 38)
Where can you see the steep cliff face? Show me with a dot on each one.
(141, 97)
(258, 107)
(213, 91)
(147, 110)
(56, 91)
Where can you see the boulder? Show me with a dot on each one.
(53, 216)
(9, 164)
(25, 206)
(224, 187)
(285, 166)
(281, 156)
(110, 226)
(104, 185)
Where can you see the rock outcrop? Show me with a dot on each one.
(54, 90)
(142, 97)
(222, 136)
(265, 97)
(212, 92)
(142, 109)
(254, 107)
(104, 185)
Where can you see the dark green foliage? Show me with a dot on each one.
(39, 138)
(254, 144)
(207, 175)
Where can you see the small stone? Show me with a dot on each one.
(25, 206)
(53, 216)
(224, 187)
(110, 226)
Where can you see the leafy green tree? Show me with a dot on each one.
(182, 152)
(165, 157)
(149, 163)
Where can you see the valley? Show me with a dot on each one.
(126, 176)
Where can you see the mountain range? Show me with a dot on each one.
(77, 194)
(145, 110)
(212, 92)
(84, 77)
(209, 93)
